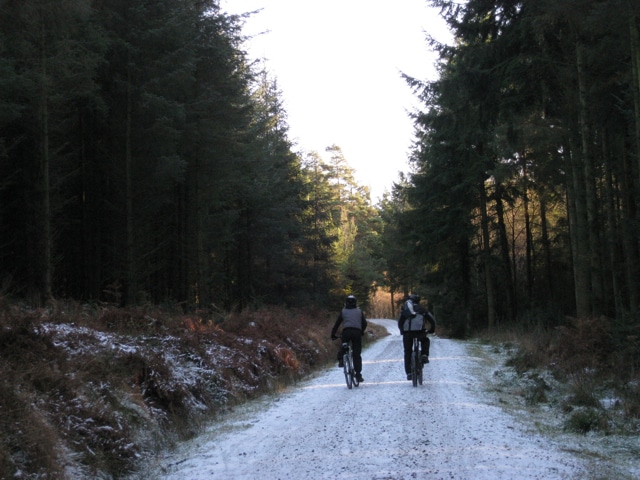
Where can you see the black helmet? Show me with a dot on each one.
(350, 302)
(414, 297)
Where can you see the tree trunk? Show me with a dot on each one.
(528, 248)
(528, 237)
(46, 167)
(635, 68)
(198, 235)
(393, 303)
(486, 255)
(633, 272)
(613, 234)
(630, 239)
(465, 275)
(546, 247)
(509, 292)
(579, 237)
(129, 257)
(594, 257)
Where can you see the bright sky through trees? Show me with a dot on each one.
(338, 64)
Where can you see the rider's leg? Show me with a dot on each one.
(341, 351)
(425, 348)
(407, 344)
(355, 336)
(356, 345)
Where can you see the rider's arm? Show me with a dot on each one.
(400, 323)
(432, 320)
(336, 325)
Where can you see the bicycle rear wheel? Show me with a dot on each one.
(354, 378)
(348, 369)
(414, 368)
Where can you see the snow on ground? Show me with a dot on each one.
(447, 428)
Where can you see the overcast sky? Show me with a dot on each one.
(338, 64)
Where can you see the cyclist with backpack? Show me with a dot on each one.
(410, 329)
(353, 326)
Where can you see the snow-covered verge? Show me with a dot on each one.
(92, 393)
(597, 430)
(465, 422)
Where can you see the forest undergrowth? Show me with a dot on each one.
(89, 391)
(586, 371)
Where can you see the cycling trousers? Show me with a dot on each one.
(354, 335)
(407, 342)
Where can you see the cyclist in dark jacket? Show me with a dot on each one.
(410, 309)
(353, 326)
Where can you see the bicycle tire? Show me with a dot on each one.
(414, 368)
(348, 369)
(354, 378)
(420, 369)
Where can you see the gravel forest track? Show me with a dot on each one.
(446, 428)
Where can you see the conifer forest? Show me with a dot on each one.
(145, 159)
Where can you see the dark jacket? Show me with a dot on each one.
(352, 318)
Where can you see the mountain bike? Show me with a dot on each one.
(347, 359)
(416, 362)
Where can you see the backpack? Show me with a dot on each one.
(405, 312)
(415, 324)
